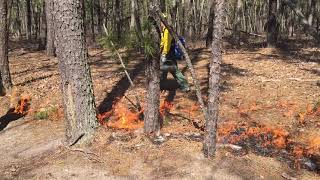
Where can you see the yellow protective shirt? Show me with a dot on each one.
(166, 40)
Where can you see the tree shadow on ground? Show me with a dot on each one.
(194, 56)
(228, 71)
(8, 118)
(287, 50)
(36, 79)
(120, 88)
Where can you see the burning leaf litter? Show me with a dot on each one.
(23, 106)
(123, 117)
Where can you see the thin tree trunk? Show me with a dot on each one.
(163, 5)
(29, 21)
(99, 14)
(50, 18)
(76, 85)
(92, 20)
(117, 18)
(210, 25)
(236, 25)
(36, 19)
(6, 83)
(106, 15)
(138, 22)
(209, 144)
(10, 15)
(272, 24)
(43, 30)
(84, 15)
(18, 20)
(132, 20)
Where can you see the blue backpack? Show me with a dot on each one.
(177, 52)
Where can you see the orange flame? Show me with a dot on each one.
(165, 107)
(23, 105)
(124, 118)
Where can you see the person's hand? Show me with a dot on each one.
(163, 58)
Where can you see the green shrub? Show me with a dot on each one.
(44, 113)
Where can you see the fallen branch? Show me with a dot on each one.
(138, 105)
(156, 13)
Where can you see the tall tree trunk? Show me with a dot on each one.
(132, 20)
(5, 84)
(152, 115)
(311, 11)
(10, 15)
(36, 19)
(84, 15)
(272, 24)
(106, 15)
(137, 21)
(43, 30)
(210, 25)
(77, 88)
(18, 20)
(50, 17)
(29, 21)
(183, 19)
(92, 20)
(117, 18)
(209, 144)
(99, 14)
(236, 25)
(163, 5)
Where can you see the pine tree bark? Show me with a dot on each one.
(132, 18)
(272, 26)
(117, 19)
(152, 114)
(210, 25)
(43, 29)
(99, 14)
(5, 78)
(29, 21)
(50, 18)
(236, 26)
(209, 144)
(18, 20)
(76, 85)
(92, 20)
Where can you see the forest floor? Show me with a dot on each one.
(278, 88)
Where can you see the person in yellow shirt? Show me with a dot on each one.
(168, 62)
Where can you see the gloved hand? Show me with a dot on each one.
(163, 58)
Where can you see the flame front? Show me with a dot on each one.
(121, 117)
(23, 105)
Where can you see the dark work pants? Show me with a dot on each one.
(172, 67)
